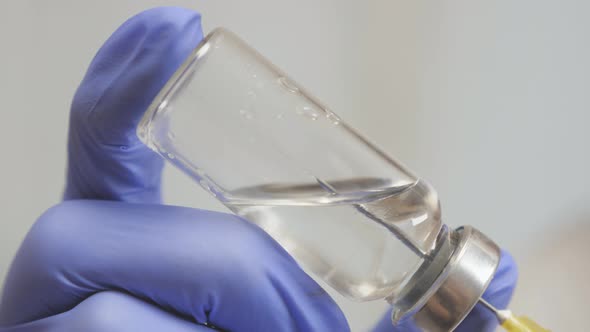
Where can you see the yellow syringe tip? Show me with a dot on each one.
(522, 324)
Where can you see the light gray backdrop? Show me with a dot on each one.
(488, 100)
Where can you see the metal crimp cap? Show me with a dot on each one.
(466, 276)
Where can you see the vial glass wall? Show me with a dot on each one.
(276, 156)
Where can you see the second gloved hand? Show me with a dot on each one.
(177, 265)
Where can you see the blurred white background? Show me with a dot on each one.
(488, 100)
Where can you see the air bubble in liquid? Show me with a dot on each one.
(307, 112)
(332, 117)
(207, 187)
(288, 85)
(218, 41)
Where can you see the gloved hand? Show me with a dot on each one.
(165, 267)
(108, 265)
(118, 261)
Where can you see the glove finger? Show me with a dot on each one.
(111, 312)
(498, 294)
(105, 158)
(212, 267)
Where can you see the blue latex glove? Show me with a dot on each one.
(168, 263)
(90, 265)
(112, 266)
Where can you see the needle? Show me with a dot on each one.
(513, 323)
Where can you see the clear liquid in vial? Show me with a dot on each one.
(345, 239)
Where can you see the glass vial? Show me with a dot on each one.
(273, 154)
